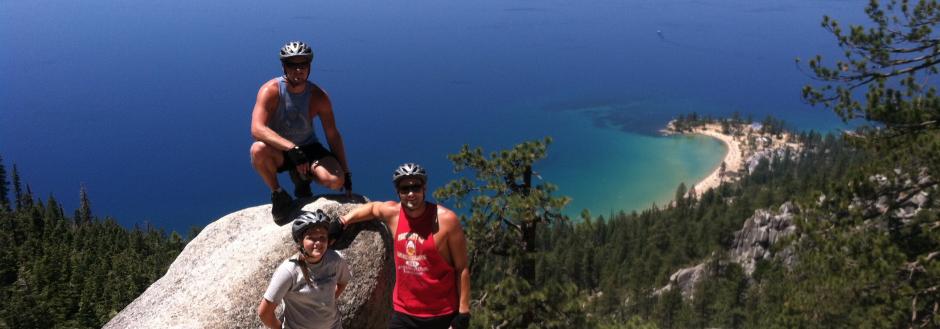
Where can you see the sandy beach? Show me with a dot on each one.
(738, 150)
(732, 160)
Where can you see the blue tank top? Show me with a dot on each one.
(292, 120)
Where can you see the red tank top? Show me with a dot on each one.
(425, 284)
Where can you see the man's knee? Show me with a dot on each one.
(260, 150)
(329, 173)
(262, 154)
(326, 177)
(259, 146)
(332, 182)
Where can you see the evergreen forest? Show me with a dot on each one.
(853, 268)
(862, 250)
(71, 271)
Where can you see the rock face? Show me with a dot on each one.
(900, 196)
(767, 154)
(685, 280)
(762, 230)
(751, 244)
(220, 277)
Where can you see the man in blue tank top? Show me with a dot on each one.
(282, 125)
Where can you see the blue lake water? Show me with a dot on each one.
(148, 103)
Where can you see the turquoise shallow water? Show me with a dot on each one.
(643, 170)
(606, 170)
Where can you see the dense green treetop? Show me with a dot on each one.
(78, 272)
(895, 58)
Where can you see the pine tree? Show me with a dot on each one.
(506, 210)
(17, 188)
(506, 206)
(894, 58)
(4, 188)
(83, 214)
(28, 197)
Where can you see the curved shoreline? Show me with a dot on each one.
(732, 159)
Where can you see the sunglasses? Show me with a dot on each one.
(294, 66)
(410, 189)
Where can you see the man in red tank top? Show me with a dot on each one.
(432, 277)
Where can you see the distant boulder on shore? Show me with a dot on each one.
(220, 277)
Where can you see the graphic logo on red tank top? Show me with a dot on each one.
(413, 259)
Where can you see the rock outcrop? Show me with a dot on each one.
(897, 195)
(900, 195)
(751, 244)
(768, 155)
(761, 231)
(685, 280)
(219, 278)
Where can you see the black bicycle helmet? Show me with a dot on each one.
(296, 48)
(410, 170)
(307, 220)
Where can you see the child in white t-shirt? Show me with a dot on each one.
(309, 282)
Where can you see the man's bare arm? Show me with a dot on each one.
(457, 243)
(324, 108)
(378, 210)
(264, 108)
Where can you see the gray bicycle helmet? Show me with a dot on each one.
(409, 170)
(294, 49)
(307, 220)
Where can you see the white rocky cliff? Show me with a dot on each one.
(751, 244)
(219, 278)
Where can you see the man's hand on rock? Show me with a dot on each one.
(335, 230)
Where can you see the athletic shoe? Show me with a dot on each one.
(281, 207)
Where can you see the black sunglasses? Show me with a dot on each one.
(294, 66)
(410, 189)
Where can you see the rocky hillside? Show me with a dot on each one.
(752, 243)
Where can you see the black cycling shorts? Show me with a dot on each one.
(404, 321)
(313, 151)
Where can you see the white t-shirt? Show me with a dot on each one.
(309, 306)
